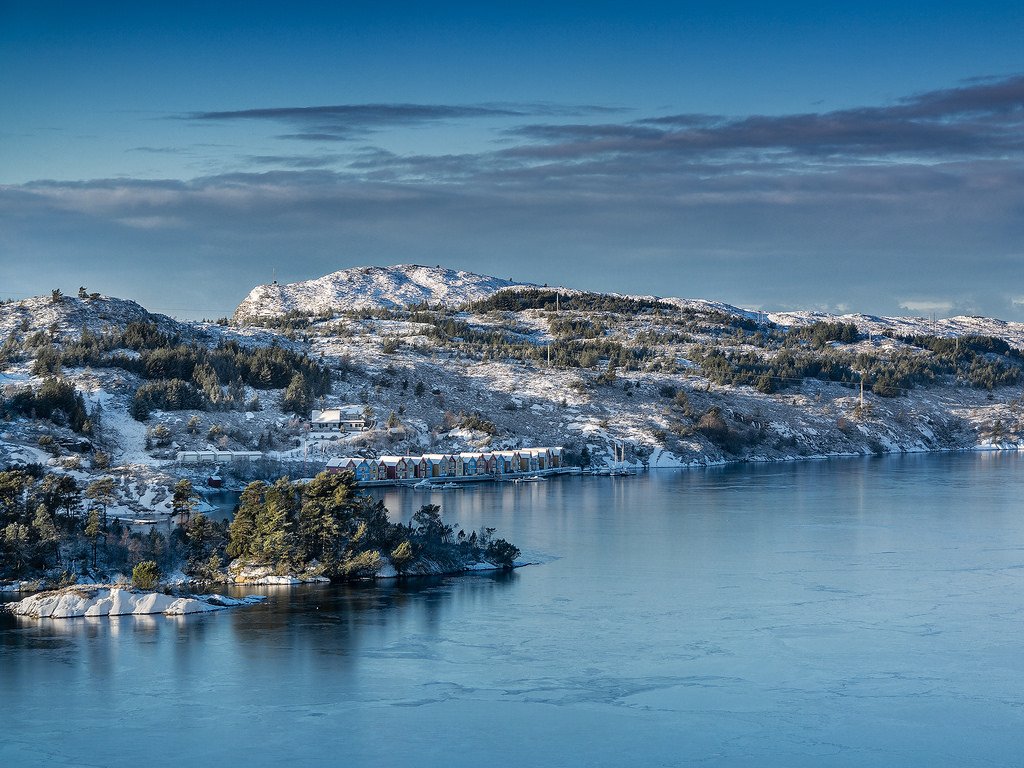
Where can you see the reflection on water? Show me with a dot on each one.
(858, 612)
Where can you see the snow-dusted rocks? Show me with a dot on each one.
(70, 315)
(265, 575)
(74, 602)
(369, 287)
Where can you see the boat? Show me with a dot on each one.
(424, 483)
(449, 486)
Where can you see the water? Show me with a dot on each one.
(843, 613)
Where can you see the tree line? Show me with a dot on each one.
(184, 375)
(52, 527)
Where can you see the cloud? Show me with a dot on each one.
(294, 161)
(157, 150)
(978, 119)
(343, 122)
(928, 306)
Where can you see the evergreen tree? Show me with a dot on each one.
(202, 538)
(47, 539)
(16, 545)
(273, 541)
(93, 531)
(297, 398)
(242, 531)
(146, 574)
(402, 556)
(184, 500)
(101, 492)
(325, 515)
(61, 492)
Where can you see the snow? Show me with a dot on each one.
(74, 602)
(367, 287)
(265, 575)
(963, 325)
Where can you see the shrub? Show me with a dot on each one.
(500, 552)
(145, 575)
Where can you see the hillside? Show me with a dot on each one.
(98, 385)
(368, 288)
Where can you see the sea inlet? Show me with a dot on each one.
(854, 612)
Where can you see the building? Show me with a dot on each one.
(447, 465)
(344, 418)
(217, 457)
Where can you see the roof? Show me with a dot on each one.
(340, 413)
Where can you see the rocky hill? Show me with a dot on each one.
(369, 287)
(71, 315)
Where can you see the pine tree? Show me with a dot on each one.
(242, 531)
(146, 574)
(402, 556)
(184, 500)
(93, 531)
(273, 540)
(326, 513)
(102, 493)
(297, 398)
(47, 539)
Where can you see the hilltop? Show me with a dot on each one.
(367, 288)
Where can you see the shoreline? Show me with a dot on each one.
(112, 600)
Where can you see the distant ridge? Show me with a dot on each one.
(370, 287)
(404, 284)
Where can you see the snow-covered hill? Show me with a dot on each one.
(69, 315)
(950, 327)
(370, 287)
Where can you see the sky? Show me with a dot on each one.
(862, 157)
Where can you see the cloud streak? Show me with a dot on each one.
(344, 122)
(978, 119)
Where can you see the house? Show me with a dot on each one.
(375, 471)
(395, 468)
(440, 465)
(520, 461)
(342, 464)
(539, 458)
(556, 456)
(503, 462)
(345, 418)
(420, 466)
(466, 466)
(487, 464)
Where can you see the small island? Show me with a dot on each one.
(282, 532)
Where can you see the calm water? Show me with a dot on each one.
(845, 613)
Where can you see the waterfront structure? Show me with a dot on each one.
(467, 464)
(217, 457)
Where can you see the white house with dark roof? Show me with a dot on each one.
(344, 418)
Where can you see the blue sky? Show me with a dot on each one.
(777, 156)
